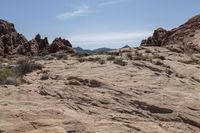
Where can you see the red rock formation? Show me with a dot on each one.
(12, 42)
(185, 36)
(60, 44)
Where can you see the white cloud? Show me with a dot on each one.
(111, 2)
(109, 38)
(80, 11)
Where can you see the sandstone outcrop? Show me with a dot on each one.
(185, 36)
(11, 42)
(60, 44)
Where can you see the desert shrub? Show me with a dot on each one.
(44, 76)
(91, 59)
(79, 55)
(117, 53)
(159, 57)
(48, 57)
(12, 81)
(5, 73)
(190, 61)
(26, 65)
(120, 62)
(102, 62)
(148, 51)
(110, 58)
(129, 56)
(81, 59)
(140, 56)
(159, 63)
(94, 59)
(60, 55)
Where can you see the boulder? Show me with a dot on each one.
(157, 39)
(60, 44)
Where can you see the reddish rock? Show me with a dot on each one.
(11, 42)
(6, 27)
(184, 37)
(42, 43)
(157, 38)
(60, 44)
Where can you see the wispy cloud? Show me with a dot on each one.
(109, 38)
(111, 2)
(78, 12)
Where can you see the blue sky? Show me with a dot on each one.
(97, 23)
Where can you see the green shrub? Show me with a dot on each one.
(120, 62)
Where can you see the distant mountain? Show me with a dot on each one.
(83, 51)
(126, 46)
(102, 50)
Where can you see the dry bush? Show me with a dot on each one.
(26, 65)
(140, 56)
(111, 58)
(159, 57)
(129, 56)
(120, 62)
(102, 62)
(5, 74)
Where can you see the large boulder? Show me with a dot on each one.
(60, 44)
(157, 39)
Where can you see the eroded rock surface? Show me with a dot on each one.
(147, 95)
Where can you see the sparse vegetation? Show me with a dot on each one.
(148, 51)
(111, 58)
(13, 75)
(159, 63)
(102, 62)
(120, 62)
(44, 76)
(159, 57)
(140, 56)
(129, 56)
(95, 59)
(26, 65)
(82, 59)
(91, 59)
(5, 74)
(190, 61)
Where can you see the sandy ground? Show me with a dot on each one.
(87, 97)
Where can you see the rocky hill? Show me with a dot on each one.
(185, 37)
(12, 42)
